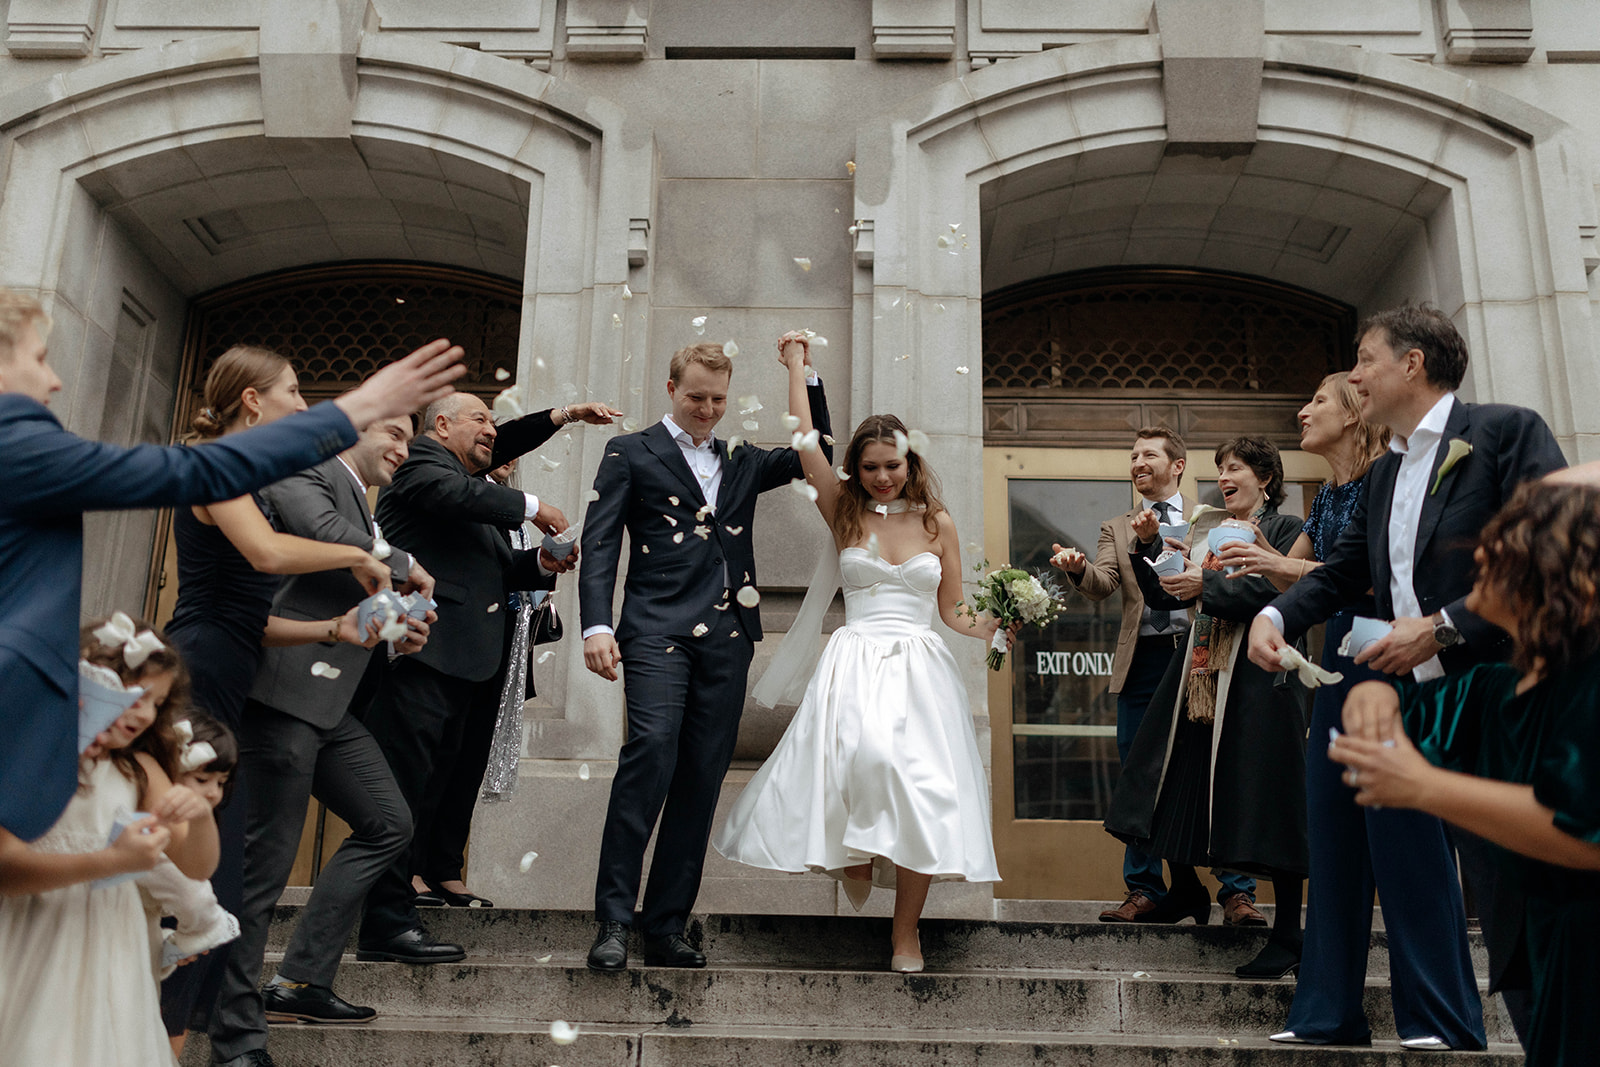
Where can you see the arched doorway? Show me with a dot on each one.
(1072, 365)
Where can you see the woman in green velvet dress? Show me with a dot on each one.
(1511, 751)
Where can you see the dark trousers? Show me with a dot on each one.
(418, 723)
(292, 761)
(1501, 911)
(444, 815)
(684, 696)
(1405, 856)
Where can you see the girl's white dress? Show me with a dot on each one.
(77, 981)
(880, 761)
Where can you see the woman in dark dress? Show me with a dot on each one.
(1403, 856)
(229, 557)
(1216, 774)
(1511, 751)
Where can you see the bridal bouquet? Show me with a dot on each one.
(1014, 596)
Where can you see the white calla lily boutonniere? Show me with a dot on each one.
(1458, 451)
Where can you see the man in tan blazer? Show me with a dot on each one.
(1146, 643)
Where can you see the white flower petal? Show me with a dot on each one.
(804, 488)
(320, 669)
(804, 442)
(902, 444)
(843, 476)
(627, 294)
(545, 656)
(677, 538)
(527, 861)
(963, 369)
(699, 324)
(583, 768)
(546, 958)
(736, 530)
(898, 359)
(918, 442)
(508, 404)
(501, 374)
(563, 1033)
(548, 464)
(944, 241)
(670, 520)
(494, 607)
(669, 649)
(749, 596)
(749, 405)
(730, 349)
(791, 422)
(645, 549)
(802, 262)
(674, 501)
(702, 532)
(733, 633)
(827, 439)
(700, 629)
(630, 424)
(592, 495)
(819, 342)
(705, 509)
(616, 322)
(751, 424)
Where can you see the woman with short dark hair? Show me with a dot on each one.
(1216, 774)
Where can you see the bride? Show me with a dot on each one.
(877, 779)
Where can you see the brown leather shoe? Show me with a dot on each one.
(1240, 910)
(1131, 910)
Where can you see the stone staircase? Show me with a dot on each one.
(804, 990)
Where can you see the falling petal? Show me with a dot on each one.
(670, 520)
(791, 422)
(705, 509)
(563, 1033)
(938, 309)
(700, 629)
(802, 262)
(677, 538)
(508, 404)
(733, 633)
(749, 405)
(852, 230)
(320, 669)
(872, 546)
(806, 442)
(719, 607)
(918, 442)
(902, 444)
(749, 596)
(627, 294)
(699, 323)
(1141, 974)
(804, 488)
(494, 607)
(548, 464)
(944, 241)
(827, 439)
(501, 374)
(616, 322)
(671, 647)
(546, 958)
(393, 630)
(645, 549)
(583, 768)
(963, 369)
(751, 424)
(545, 656)
(538, 363)
(702, 532)
(897, 359)
(843, 475)
(592, 495)
(527, 861)
(630, 424)
(730, 348)
(820, 342)
(736, 530)
(954, 226)
(674, 501)
(849, 166)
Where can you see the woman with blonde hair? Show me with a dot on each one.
(229, 559)
(1405, 856)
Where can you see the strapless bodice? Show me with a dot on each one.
(889, 600)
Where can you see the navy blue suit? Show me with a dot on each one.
(51, 478)
(1404, 855)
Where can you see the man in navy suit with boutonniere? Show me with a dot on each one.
(1449, 468)
(52, 477)
(684, 642)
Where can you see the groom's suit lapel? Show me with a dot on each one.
(1458, 425)
(665, 449)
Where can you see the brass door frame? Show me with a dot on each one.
(1060, 859)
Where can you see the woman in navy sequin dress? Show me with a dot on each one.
(1404, 856)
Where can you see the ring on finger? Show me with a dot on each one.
(1352, 777)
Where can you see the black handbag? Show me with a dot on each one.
(546, 627)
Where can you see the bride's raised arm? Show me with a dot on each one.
(794, 352)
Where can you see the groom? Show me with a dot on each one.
(687, 632)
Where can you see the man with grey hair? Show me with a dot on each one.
(458, 524)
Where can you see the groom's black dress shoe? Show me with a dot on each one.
(671, 951)
(610, 949)
(288, 1002)
(410, 946)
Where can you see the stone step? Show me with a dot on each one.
(860, 942)
(1055, 1001)
(440, 1040)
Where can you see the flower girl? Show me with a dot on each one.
(78, 985)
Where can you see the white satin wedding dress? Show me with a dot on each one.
(880, 761)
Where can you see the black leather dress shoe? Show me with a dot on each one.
(256, 1057)
(672, 951)
(610, 949)
(297, 1002)
(410, 946)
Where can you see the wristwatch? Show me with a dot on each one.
(1444, 633)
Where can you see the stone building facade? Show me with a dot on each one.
(889, 173)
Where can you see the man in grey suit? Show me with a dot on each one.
(302, 737)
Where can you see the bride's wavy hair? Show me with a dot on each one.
(921, 487)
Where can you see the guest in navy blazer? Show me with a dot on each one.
(52, 477)
(1450, 467)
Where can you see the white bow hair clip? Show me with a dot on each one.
(196, 754)
(118, 632)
